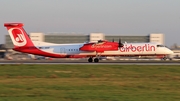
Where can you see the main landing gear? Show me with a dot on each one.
(95, 59)
(90, 59)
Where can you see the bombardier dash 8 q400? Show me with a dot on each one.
(93, 51)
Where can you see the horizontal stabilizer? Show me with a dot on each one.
(13, 24)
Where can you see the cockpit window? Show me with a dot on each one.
(160, 46)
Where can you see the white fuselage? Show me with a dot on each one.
(129, 49)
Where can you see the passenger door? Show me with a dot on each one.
(62, 50)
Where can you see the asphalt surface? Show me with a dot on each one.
(84, 61)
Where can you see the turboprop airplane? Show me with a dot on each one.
(93, 51)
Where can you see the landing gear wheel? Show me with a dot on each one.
(96, 60)
(90, 60)
(164, 58)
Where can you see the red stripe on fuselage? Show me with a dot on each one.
(36, 51)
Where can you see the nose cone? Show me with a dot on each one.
(169, 51)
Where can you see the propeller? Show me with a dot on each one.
(120, 44)
(113, 40)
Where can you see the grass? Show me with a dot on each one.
(20, 82)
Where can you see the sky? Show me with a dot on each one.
(117, 17)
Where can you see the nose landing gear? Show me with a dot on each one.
(164, 58)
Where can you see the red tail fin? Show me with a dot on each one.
(18, 35)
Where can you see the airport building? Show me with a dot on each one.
(62, 38)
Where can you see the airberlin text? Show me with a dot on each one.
(142, 48)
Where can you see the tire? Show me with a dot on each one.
(90, 60)
(96, 60)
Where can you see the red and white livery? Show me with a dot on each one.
(23, 43)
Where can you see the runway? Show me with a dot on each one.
(84, 62)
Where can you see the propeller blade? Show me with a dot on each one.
(119, 40)
(113, 40)
(120, 44)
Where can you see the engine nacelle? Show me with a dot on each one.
(100, 46)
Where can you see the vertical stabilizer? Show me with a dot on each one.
(18, 35)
